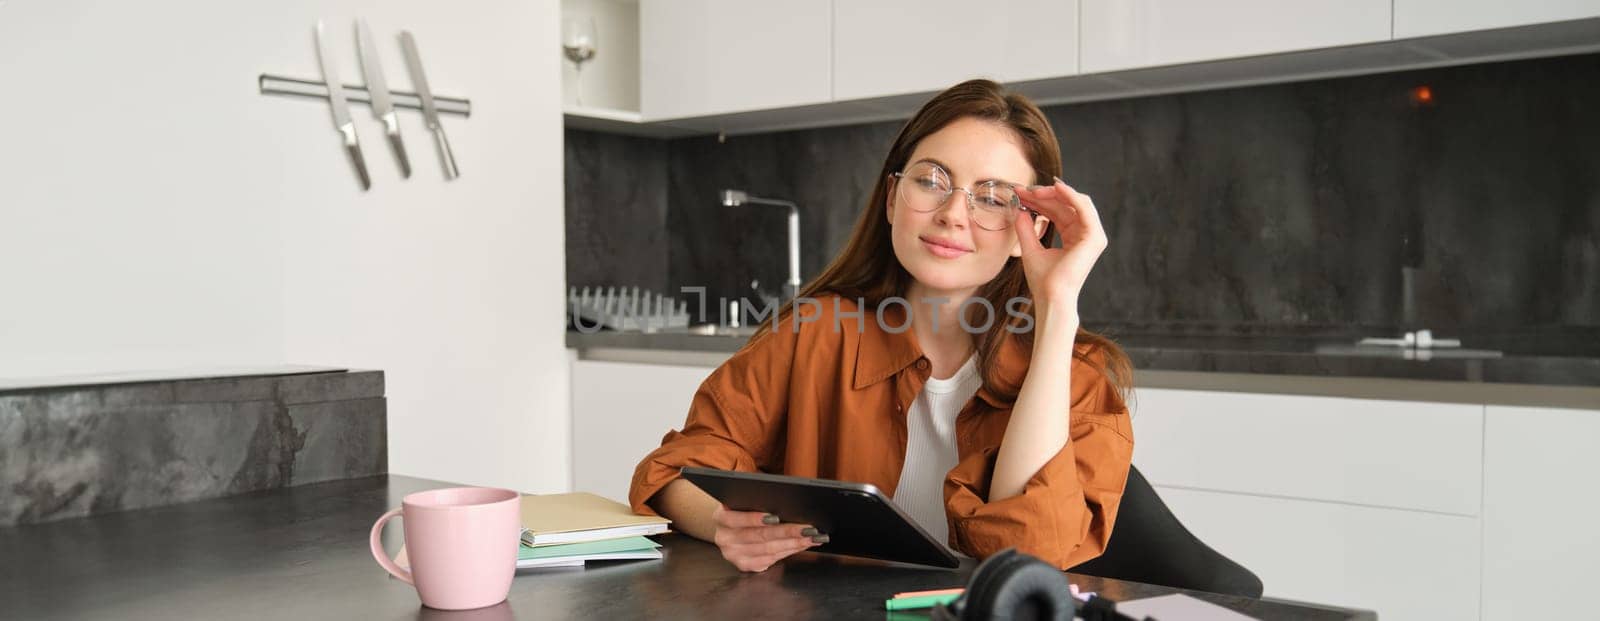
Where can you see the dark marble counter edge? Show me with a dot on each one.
(34, 384)
(1535, 381)
(298, 385)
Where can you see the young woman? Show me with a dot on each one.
(992, 434)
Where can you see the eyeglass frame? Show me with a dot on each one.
(972, 198)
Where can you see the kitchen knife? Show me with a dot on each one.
(341, 109)
(419, 81)
(378, 88)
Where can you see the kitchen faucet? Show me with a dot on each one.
(1411, 255)
(735, 198)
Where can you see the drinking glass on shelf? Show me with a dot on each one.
(578, 43)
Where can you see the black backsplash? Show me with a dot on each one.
(616, 211)
(1290, 205)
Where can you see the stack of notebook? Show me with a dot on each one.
(565, 530)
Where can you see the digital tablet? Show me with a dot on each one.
(858, 519)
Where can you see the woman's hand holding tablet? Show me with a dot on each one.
(853, 519)
(754, 540)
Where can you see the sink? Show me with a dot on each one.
(711, 329)
(1413, 345)
(1408, 353)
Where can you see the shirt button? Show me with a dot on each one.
(922, 364)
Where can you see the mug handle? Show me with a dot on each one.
(383, 557)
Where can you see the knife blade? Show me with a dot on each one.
(341, 109)
(419, 81)
(378, 88)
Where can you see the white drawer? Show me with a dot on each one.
(1400, 454)
(620, 411)
(1402, 564)
(1539, 510)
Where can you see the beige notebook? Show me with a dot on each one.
(575, 517)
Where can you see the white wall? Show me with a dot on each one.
(157, 212)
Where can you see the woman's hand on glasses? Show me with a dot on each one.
(1056, 275)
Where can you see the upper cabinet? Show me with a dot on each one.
(1128, 34)
(702, 57)
(763, 65)
(1421, 18)
(895, 47)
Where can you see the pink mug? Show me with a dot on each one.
(461, 543)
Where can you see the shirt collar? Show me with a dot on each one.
(882, 354)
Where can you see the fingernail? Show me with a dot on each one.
(770, 519)
(809, 532)
(1058, 180)
(819, 539)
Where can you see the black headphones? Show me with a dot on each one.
(1012, 586)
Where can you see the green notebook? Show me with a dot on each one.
(605, 546)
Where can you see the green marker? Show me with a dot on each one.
(913, 603)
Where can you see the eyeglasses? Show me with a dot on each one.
(926, 187)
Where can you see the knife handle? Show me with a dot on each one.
(449, 158)
(353, 148)
(361, 166)
(391, 128)
(400, 155)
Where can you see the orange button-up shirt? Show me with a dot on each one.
(827, 396)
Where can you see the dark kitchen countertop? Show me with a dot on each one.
(1557, 367)
(301, 553)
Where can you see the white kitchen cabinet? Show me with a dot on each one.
(1402, 564)
(1540, 545)
(1421, 18)
(620, 411)
(894, 47)
(1398, 454)
(1129, 34)
(704, 57)
(1357, 502)
(743, 66)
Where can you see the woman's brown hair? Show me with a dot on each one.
(868, 269)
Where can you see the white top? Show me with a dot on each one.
(931, 447)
